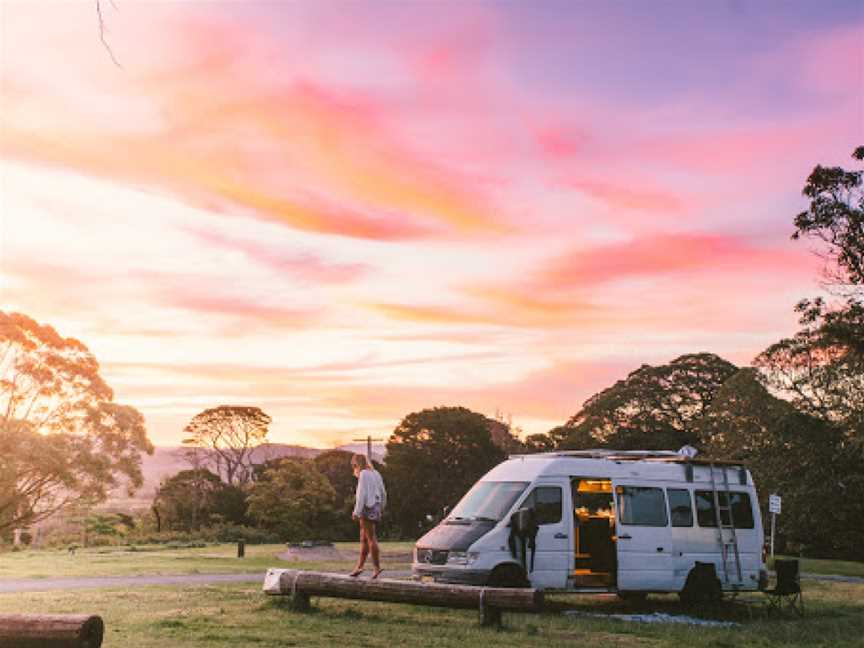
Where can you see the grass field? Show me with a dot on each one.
(160, 559)
(833, 567)
(240, 615)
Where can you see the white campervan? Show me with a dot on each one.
(603, 521)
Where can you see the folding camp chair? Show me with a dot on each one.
(787, 591)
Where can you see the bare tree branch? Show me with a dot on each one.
(102, 32)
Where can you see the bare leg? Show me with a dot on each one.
(372, 538)
(364, 549)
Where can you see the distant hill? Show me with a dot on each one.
(169, 460)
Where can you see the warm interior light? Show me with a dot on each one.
(594, 486)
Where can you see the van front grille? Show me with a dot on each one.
(432, 556)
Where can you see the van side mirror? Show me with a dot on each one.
(523, 521)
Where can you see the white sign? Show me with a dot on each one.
(774, 504)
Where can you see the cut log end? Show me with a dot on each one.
(51, 631)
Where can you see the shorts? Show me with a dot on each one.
(372, 513)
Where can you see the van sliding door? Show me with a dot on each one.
(643, 540)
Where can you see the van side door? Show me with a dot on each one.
(553, 545)
(643, 538)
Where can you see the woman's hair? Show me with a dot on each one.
(360, 461)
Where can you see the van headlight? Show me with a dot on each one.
(462, 557)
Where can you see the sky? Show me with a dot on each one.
(346, 212)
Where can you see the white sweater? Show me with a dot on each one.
(370, 491)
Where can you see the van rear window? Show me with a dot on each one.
(641, 506)
(742, 509)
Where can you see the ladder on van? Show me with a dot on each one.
(726, 535)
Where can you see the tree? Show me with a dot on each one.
(820, 375)
(225, 438)
(806, 459)
(835, 217)
(654, 408)
(504, 434)
(192, 499)
(293, 499)
(433, 457)
(63, 440)
(540, 442)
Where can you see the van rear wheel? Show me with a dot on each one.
(702, 586)
(508, 576)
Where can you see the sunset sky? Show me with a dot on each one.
(344, 212)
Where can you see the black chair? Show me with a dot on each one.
(787, 591)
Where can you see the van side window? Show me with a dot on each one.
(680, 507)
(642, 506)
(546, 502)
(742, 510)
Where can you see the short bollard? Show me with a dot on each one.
(490, 617)
(241, 549)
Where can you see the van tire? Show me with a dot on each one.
(702, 586)
(508, 575)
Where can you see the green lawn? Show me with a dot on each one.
(240, 615)
(159, 559)
(835, 567)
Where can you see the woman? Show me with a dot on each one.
(369, 503)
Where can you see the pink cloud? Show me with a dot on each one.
(629, 196)
(258, 312)
(305, 266)
(561, 143)
(555, 392)
(660, 254)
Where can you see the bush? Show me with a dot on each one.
(213, 534)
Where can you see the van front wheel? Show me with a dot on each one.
(508, 576)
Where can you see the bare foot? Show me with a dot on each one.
(356, 572)
(377, 573)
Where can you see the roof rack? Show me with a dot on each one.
(662, 456)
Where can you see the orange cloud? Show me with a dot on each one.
(555, 392)
(284, 148)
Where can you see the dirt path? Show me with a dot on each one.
(95, 582)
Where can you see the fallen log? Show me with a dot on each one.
(300, 585)
(51, 631)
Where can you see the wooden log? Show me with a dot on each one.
(51, 631)
(303, 584)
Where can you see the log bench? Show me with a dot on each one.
(51, 631)
(490, 601)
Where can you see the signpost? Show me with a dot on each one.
(774, 506)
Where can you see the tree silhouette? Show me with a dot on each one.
(835, 217)
(192, 499)
(293, 499)
(225, 438)
(433, 457)
(63, 441)
(654, 408)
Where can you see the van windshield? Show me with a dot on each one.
(488, 500)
